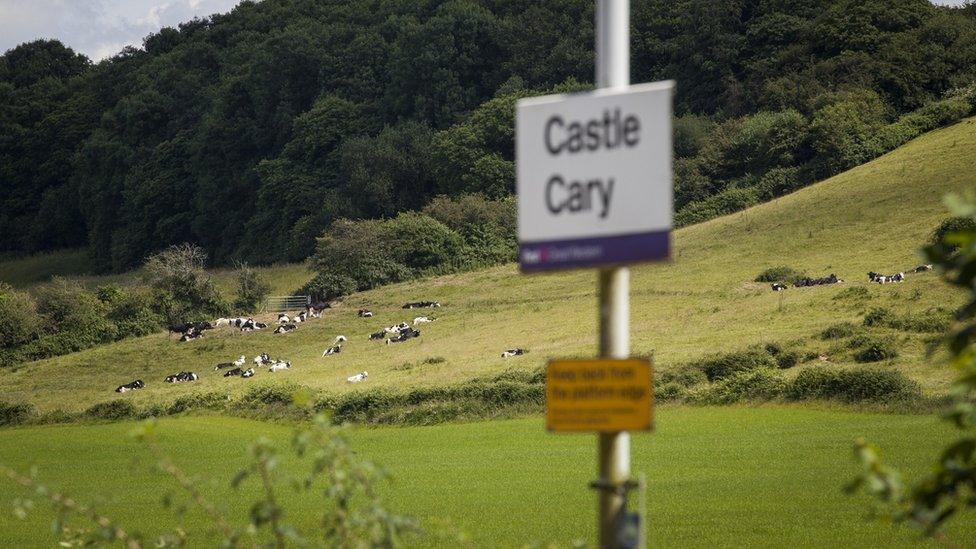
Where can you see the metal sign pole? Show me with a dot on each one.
(612, 71)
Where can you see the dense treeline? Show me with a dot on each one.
(251, 133)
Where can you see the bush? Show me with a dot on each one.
(723, 366)
(183, 287)
(15, 414)
(113, 410)
(211, 400)
(73, 316)
(327, 287)
(780, 274)
(949, 226)
(730, 200)
(252, 289)
(839, 331)
(670, 392)
(683, 376)
(878, 316)
(757, 385)
(19, 322)
(876, 350)
(862, 384)
(269, 395)
(787, 359)
(131, 311)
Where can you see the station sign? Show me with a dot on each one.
(594, 177)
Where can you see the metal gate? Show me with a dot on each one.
(282, 303)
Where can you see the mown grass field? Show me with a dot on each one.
(874, 217)
(774, 480)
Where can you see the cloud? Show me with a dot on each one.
(97, 28)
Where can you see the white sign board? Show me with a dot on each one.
(594, 177)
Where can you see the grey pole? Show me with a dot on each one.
(613, 71)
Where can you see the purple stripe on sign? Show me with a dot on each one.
(595, 252)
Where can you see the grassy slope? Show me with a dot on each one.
(775, 482)
(871, 218)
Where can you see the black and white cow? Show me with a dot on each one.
(181, 377)
(923, 268)
(409, 333)
(137, 384)
(283, 318)
(777, 287)
(248, 373)
(262, 359)
(234, 372)
(190, 336)
(423, 320)
(278, 366)
(365, 313)
(285, 328)
(513, 352)
(375, 336)
(421, 305)
(334, 350)
(397, 328)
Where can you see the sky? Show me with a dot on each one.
(101, 28)
(97, 28)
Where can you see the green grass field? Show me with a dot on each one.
(874, 217)
(772, 481)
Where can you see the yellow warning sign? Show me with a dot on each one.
(602, 395)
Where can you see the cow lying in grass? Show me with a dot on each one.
(376, 336)
(262, 359)
(278, 366)
(923, 268)
(334, 350)
(409, 333)
(513, 352)
(137, 384)
(421, 305)
(237, 372)
(361, 376)
(885, 279)
(777, 287)
(365, 313)
(181, 377)
(283, 329)
(422, 320)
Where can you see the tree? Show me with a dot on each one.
(252, 288)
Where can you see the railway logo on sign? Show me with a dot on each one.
(594, 177)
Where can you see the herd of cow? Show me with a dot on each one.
(190, 331)
(832, 279)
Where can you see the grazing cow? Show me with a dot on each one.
(377, 335)
(513, 352)
(283, 318)
(409, 333)
(923, 268)
(365, 313)
(422, 320)
(248, 373)
(181, 377)
(234, 372)
(361, 376)
(137, 384)
(421, 305)
(285, 328)
(262, 359)
(180, 328)
(777, 287)
(340, 339)
(332, 350)
(279, 366)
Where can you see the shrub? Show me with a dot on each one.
(862, 384)
(19, 322)
(211, 400)
(132, 311)
(949, 226)
(839, 331)
(722, 366)
(75, 317)
(683, 376)
(328, 286)
(787, 359)
(876, 350)
(730, 200)
(878, 316)
(183, 287)
(780, 274)
(670, 392)
(112, 410)
(15, 414)
(757, 385)
(252, 289)
(269, 395)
